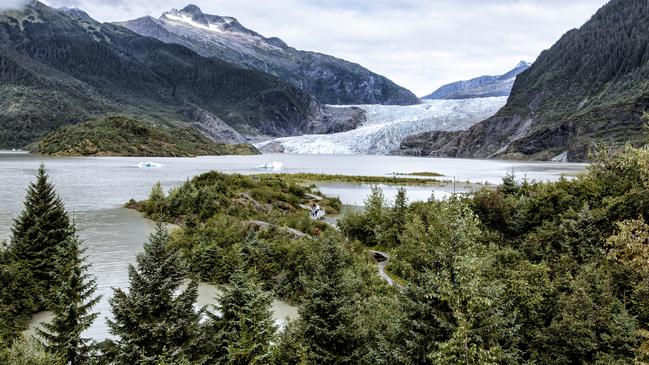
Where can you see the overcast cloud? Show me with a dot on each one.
(12, 4)
(419, 44)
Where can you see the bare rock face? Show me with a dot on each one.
(337, 119)
(426, 144)
(272, 147)
(212, 127)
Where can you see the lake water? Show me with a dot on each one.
(94, 189)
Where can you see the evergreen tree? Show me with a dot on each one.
(243, 333)
(375, 215)
(16, 298)
(397, 219)
(454, 313)
(155, 321)
(38, 232)
(27, 350)
(72, 306)
(509, 185)
(580, 234)
(154, 206)
(290, 349)
(328, 313)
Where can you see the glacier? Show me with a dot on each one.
(388, 125)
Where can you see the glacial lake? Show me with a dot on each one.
(95, 188)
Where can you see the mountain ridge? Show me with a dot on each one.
(480, 87)
(329, 79)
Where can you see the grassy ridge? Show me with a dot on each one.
(422, 173)
(122, 136)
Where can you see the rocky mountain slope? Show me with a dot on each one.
(480, 87)
(60, 67)
(589, 89)
(387, 125)
(328, 79)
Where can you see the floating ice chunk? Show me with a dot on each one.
(149, 165)
(273, 165)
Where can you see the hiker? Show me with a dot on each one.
(316, 211)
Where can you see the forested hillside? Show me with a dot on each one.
(121, 136)
(589, 88)
(59, 68)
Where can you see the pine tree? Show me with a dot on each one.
(154, 206)
(155, 320)
(453, 313)
(375, 214)
(244, 331)
(290, 349)
(37, 233)
(397, 218)
(328, 314)
(509, 185)
(16, 298)
(27, 350)
(72, 306)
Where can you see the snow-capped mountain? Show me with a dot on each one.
(480, 87)
(328, 79)
(387, 125)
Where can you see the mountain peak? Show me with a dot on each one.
(192, 10)
(480, 87)
(523, 64)
(76, 12)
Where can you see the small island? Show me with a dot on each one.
(124, 136)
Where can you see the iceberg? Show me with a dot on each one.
(274, 165)
(149, 165)
(388, 125)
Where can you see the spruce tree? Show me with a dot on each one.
(16, 299)
(454, 313)
(154, 206)
(155, 321)
(37, 233)
(375, 214)
(397, 219)
(328, 314)
(509, 186)
(72, 305)
(243, 332)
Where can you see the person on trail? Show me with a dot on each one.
(314, 211)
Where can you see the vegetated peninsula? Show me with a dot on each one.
(123, 136)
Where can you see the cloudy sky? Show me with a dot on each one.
(419, 44)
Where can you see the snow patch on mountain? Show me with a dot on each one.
(180, 18)
(388, 125)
